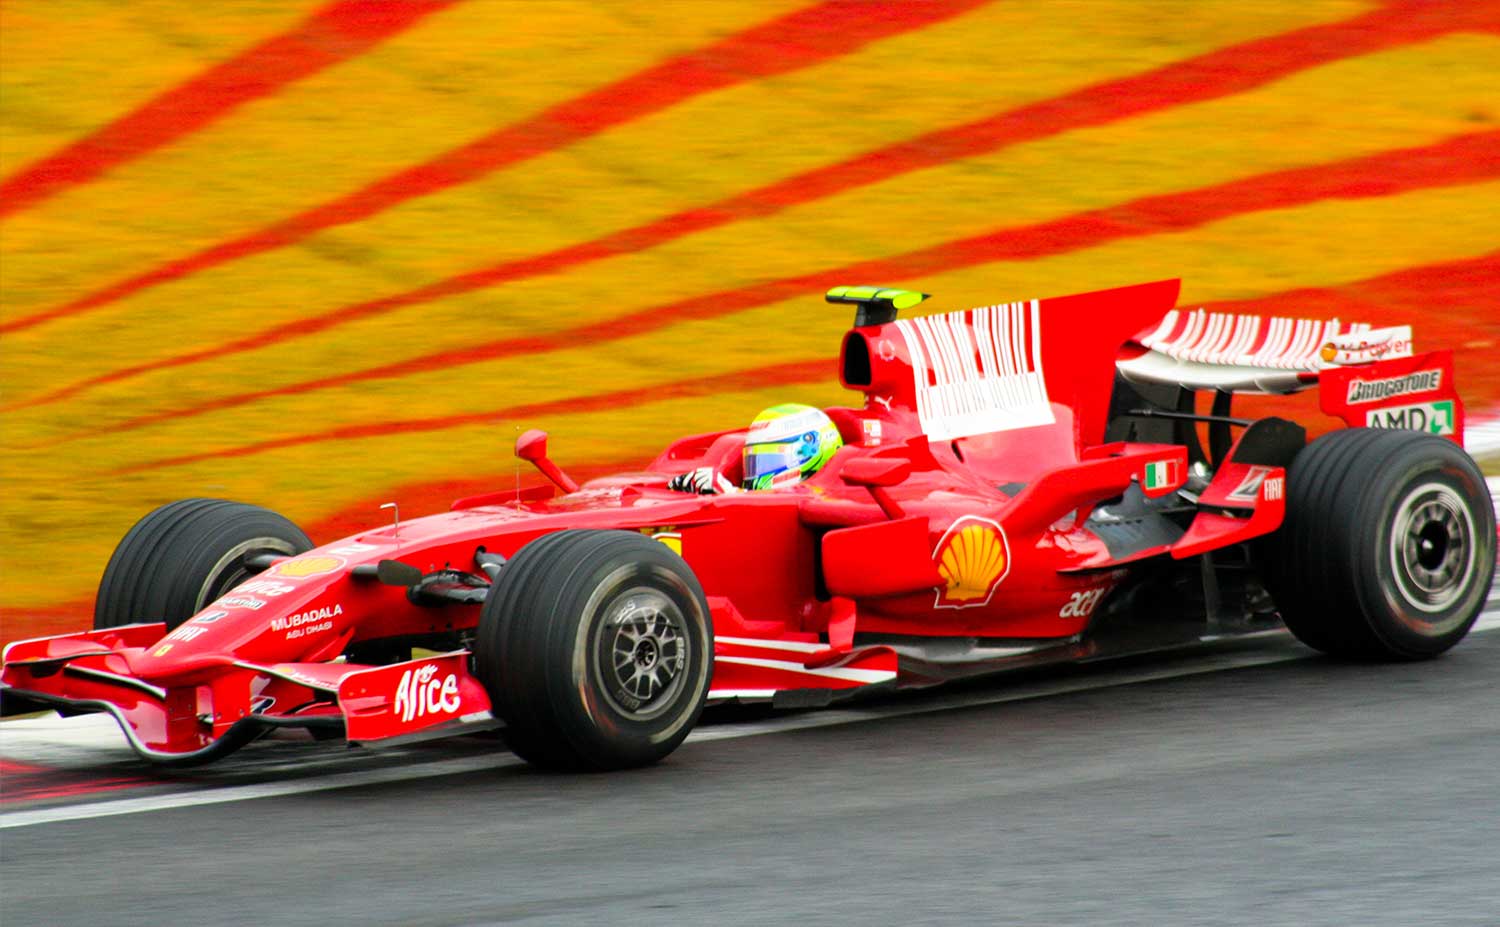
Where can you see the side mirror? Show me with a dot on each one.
(532, 445)
(876, 471)
(876, 474)
(396, 573)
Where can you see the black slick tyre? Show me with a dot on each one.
(1388, 548)
(596, 649)
(184, 555)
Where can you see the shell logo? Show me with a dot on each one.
(972, 557)
(1328, 352)
(307, 566)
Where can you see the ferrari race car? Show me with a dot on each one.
(1023, 483)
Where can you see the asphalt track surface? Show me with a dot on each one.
(1251, 782)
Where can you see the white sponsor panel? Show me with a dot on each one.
(242, 601)
(979, 371)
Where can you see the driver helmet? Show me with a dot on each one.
(786, 444)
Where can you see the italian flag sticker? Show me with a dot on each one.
(1161, 474)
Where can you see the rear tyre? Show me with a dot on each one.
(596, 649)
(1388, 549)
(184, 555)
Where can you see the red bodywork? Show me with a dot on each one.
(958, 511)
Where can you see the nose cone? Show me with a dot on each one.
(169, 658)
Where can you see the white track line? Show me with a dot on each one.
(102, 809)
(1209, 663)
(1482, 433)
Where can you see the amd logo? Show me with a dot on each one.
(1435, 418)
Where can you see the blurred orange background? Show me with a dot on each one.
(319, 256)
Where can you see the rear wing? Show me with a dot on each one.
(1250, 354)
(1366, 376)
(1031, 364)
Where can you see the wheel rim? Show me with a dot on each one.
(641, 653)
(231, 570)
(1432, 553)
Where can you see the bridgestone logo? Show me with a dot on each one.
(1423, 381)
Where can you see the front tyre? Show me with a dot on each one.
(596, 649)
(182, 556)
(1388, 550)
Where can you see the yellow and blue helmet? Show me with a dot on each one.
(787, 444)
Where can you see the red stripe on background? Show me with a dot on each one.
(428, 496)
(333, 34)
(1222, 72)
(797, 40)
(1464, 159)
(18, 622)
(780, 374)
(1451, 294)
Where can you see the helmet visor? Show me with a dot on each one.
(764, 461)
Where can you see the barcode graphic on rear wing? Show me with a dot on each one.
(978, 371)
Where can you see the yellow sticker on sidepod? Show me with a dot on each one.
(299, 567)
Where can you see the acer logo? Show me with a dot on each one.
(421, 693)
(1082, 604)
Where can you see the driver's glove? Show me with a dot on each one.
(704, 480)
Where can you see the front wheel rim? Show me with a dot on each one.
(231, 570)
(1432, 551)
(641, 654)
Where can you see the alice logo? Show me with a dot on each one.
(422, 692)
(972, 557)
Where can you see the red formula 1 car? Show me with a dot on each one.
(1024, 482)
